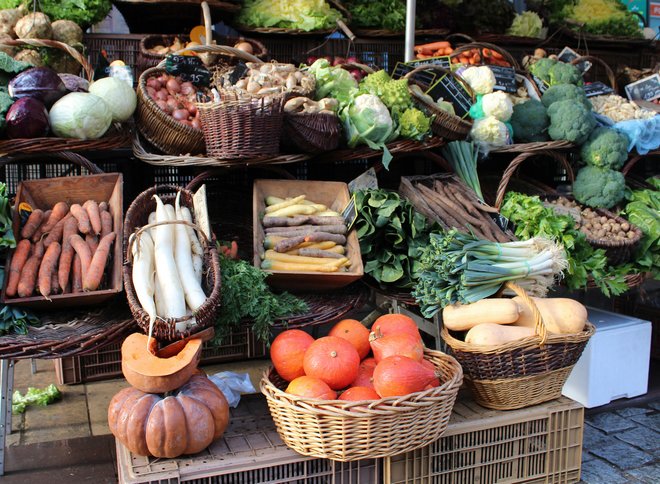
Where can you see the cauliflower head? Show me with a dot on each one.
(490, 132)
(414, 124)
(605, 148)
(367, 121)
(481, 79)
(562, 73)
(599, 187)
(497, 104)
(560, 92)
(570, 121)
(530, 122)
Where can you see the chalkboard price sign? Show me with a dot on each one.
(425, 78)
(451, 90)
(505, 78)
(540, 84)
(189, 68)
(567, 55)
(646, 89)
(597, 89)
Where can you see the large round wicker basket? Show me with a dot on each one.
(347, 430)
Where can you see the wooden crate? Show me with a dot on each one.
(44, 194)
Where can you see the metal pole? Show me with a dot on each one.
(6, 383)
(411, 7)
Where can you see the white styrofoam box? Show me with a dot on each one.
(615, 363)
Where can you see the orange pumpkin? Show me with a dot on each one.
(399, 375)
(365, 374)
(287, 353)
(355, 333)
(334, 360)
(395, 324)
(357, 394)
(183, 423)
(310, 387)
(397, 344)
(436, 381)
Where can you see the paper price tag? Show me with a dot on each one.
(366, 180)
(201, 211)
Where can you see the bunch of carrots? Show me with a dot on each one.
(476, 56)
(433, 49)
(62, 250)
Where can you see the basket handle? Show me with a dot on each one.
(216, 49)
(485, 45)
(356, 65)
(633, 161)
(87, 67)
(539, 325)
(435, 67)
(69, 156)
(598, 60)
(458, 35)
(515, 163)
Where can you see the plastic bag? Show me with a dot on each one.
(644, 134)
(232, 385)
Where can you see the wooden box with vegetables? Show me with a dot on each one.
(67, 252)
(300, 236)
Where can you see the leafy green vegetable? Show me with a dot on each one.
(7, 238)
(9, 67)
(527, 24)
(385, 14)
(245, 294)
(83, 12)
(333, 81)
(305, 15)
(643, 210)
(392, 235)
(462, 156)
(16, 320)
(34, 396)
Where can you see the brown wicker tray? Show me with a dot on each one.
(535, 146)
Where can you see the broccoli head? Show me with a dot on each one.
(599, 187)
(605, 148)
(570, 121)
(530, 122)
(560, 92)
(541, 68)
(562, 73)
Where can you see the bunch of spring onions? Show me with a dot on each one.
(458, 267)
(462, 156)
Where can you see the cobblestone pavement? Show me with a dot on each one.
(622, 446)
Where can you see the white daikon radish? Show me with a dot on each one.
(166, 271)
(158, 298)
(195, 245)
(143, 274)
(193, 291)
(171, 216)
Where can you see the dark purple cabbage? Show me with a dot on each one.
(41, 83)
(27, 118)
(74, 83)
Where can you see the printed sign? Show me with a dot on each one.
(597, 89)
(646, 89)
(452, 91)
(654, 10)
(505, 78)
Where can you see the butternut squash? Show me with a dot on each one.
(461, 317)
(490, 334)
(560, 315)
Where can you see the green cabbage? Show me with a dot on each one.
(333, 81)
(118, 95)
(80, 115)
(527, 24)
(295, 14)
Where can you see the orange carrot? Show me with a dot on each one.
(47, 266)
(106, 223)
(30, 271)
(18, 260)
(55, 235)
(59, 211)
(82, 249)
(441, 44)
(39, 232)
(32, 224)
(66, 258)
(92, 209)
(83, 219)
(92, 278)
(76, 275)
(54, 287)
(496, 55)
(93, 243)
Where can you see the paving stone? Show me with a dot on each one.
(597, 471)
(642, 437)
(592, 436)
(647, 474)
(609, 422)
(655, 405)
(587, 456)
(633, 411)
(650, 421)
(620, 454)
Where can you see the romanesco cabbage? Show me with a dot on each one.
(414, 124)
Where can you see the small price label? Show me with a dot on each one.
(505, 79)
(540, 84)
(189, 68)
(451, 90)
(350, 213)
(646, 89)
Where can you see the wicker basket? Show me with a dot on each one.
(312, 133)
(487, 46)
(444, 124)
(349, 431)
(608, 71)
(136, 217)
(117, 136)
(160, 129)
(520, 373)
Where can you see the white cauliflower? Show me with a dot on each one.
(480, 78)
(497, 104)
(490, 132)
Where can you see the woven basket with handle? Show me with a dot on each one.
(347, 430)
(519, 373)
(136, 217)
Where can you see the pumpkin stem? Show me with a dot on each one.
(333, 354)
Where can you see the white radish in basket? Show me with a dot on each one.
(183, 213)
(194, 294)
(143, 274)
(166, 271)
